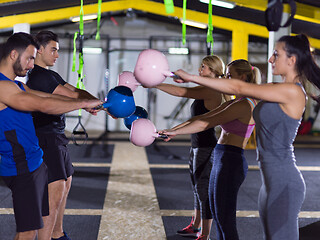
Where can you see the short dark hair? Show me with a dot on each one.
(44, 37)
(17, 41)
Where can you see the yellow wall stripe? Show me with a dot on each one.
(8, 1)
(58, 14)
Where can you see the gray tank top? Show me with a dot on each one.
(276, 132)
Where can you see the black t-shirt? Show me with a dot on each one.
(205, 138)
(45, 80)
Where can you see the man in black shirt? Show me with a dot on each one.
(50, 131)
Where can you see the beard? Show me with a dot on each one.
(17, 68)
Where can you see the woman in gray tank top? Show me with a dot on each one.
(277, 118)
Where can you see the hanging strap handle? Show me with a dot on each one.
(210, 29)
(79, 133)
(293, 8)
(82, 131)
(80, 84)
(273, 14)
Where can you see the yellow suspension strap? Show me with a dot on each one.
(210, 29)
(79, 129)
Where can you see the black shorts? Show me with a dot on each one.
(30, 198)
(56, 156)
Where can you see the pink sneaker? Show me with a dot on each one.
(189, 231)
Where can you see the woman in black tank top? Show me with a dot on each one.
(202, 144)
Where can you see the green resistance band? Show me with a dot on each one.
(98, 20)
(210, 28)
(81, 18)
(81, 76)
(74, 52)
(169, 6)
(80, 84)
(184, 28)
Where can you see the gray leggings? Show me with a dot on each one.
(200, 168)
(280, 199)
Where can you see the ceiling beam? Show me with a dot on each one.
(157, 8)
(57, 14)
(304, 12)
(142, 5)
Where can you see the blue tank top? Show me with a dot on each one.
(205, 138)
(19, 148)
(275, 133)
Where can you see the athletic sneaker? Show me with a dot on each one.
(64, 237)
(189, 231)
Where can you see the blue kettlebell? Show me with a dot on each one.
(140, 112)
(120, 102)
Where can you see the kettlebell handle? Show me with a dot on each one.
(103, 105)
(170, 74)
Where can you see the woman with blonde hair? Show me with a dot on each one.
(229, 164)
(202, 143)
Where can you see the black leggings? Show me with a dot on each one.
(200, 169)
(228, 173)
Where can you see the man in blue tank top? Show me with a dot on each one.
(21, 164)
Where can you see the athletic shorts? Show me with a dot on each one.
(30, 198)
(56, 156)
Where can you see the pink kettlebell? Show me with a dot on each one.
(152, 68)
(143, 132)
(127, 79)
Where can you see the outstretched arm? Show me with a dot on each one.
(68, 95)
(198, 92)
(44, 94)
(204, 116)
(172, 89)
(11, 95)
(281, 93)
(73, 92)
(227, 112)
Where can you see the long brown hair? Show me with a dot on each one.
(242, 66)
